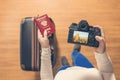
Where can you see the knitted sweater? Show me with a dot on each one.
(104, 71)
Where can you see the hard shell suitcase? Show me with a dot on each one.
(30, 49)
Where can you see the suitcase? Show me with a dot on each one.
(30, 49)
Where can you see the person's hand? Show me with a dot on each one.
(102, 45)
(43, 39)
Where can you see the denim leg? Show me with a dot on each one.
(81, 60)
(63, 68)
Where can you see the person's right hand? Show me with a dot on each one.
(102, 45)
(43, 39)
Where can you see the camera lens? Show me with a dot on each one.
(83, 25)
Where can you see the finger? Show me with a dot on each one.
(102, 33)
(49, 35)
(98, 38)
(102, 46)
(45, 33)
(101, 29)
(101, 40)
(39, 34)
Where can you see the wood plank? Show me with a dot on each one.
(98, 12)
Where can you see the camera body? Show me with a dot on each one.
(84, 34)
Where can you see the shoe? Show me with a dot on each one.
(64, 61)
(77, 47)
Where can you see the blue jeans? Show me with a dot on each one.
(78, 60)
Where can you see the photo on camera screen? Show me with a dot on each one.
(80, 37)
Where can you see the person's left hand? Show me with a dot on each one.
(43, 39)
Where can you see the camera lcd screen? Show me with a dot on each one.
(81, 37)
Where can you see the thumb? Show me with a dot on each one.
(102, 46)
(99, 39)
(39, 35)
(45, 33)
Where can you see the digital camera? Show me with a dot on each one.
(84, 34)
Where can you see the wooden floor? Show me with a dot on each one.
(98, 12)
